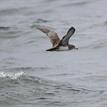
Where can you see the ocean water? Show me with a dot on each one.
(33, 77)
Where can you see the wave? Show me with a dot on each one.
(20, 88)
(11, 75)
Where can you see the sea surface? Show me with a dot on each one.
(33, 77)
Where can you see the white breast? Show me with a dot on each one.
(62, 48)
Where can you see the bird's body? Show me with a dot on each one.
(58, 44)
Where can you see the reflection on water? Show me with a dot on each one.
(30, 76)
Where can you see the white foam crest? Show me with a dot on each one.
(11, 75)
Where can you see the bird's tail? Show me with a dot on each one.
(52, 49)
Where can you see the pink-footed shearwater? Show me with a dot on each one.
(55, 40)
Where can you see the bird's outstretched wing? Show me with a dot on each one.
(55, 40)
(64, 41)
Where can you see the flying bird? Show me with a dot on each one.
(58, 44)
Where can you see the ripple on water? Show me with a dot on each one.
(35, 90)
(8, 32)
(4, 28)
(39, 20)
(77, 3)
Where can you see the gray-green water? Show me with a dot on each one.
(32, 77)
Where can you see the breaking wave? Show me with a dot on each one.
(20, 88)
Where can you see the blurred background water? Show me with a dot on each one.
(32, 77)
